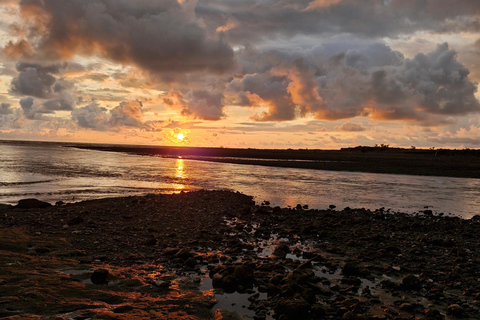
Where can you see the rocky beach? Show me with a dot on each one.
(218, 255)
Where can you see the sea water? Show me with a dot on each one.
(58, 172)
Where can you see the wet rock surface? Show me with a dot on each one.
(184, 256)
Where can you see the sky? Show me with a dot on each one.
(316, 74)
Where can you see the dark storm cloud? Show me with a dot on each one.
(372, 81)
(158, 36)
(254, 20)
(35, 79)
(27, 106)
(5, 108)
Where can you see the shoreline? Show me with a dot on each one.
(175, 256)
(441, 162)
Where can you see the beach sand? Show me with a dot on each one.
(217, 255)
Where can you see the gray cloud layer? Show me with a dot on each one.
(158, 36)
(372, 80)
(289, 58)
(255, 20)
(37, 81)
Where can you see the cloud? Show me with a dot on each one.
(258, 21)
(27, 106)
(206, 105)
(35, 79)
(157, 36)
(199, 104)
(128, 114)
(5, 108)
(271, 91)
(350, 127)
(91, 116)
(370, 81)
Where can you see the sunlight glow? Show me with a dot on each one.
(180, 136)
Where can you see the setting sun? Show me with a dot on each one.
(180, 136)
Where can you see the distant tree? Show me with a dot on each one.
(413, 147)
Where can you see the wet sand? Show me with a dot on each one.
(431, 162)
(184, 256)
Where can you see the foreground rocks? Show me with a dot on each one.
(175, 256)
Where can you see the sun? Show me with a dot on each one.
(180, 136)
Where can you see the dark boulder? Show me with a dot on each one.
(292, 308)
(244, 275)
(32, 204)
(410, 282)
(351, 269)
(75, 221)
(281, 250)
(99, 276)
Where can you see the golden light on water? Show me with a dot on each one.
(180, 174)
(179, 169)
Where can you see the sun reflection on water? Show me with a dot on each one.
(180, 174)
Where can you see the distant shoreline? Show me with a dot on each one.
(441, 162)
(424, 162)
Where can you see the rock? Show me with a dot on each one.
(162, 284)
(349, 316)
(217, 280)
(32, 204)
(229, 284)
(191, 262)
(150, 242)
(351, 269)
(407, 307)
(226, 315)
(244, 275)
(184, 254)
(410, 282)
(42, 250)
(292, 308)
(123, 309)
(432, 314)
(5, 207)
(99, 276)
(75, 221)
(171, 251)
(273, 290)
(455, 310)
(281, 250)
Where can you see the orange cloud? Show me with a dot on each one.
(321, 3)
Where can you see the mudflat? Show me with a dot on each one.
(430, 162)
(218, 255)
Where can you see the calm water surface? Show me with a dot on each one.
(52, 172)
